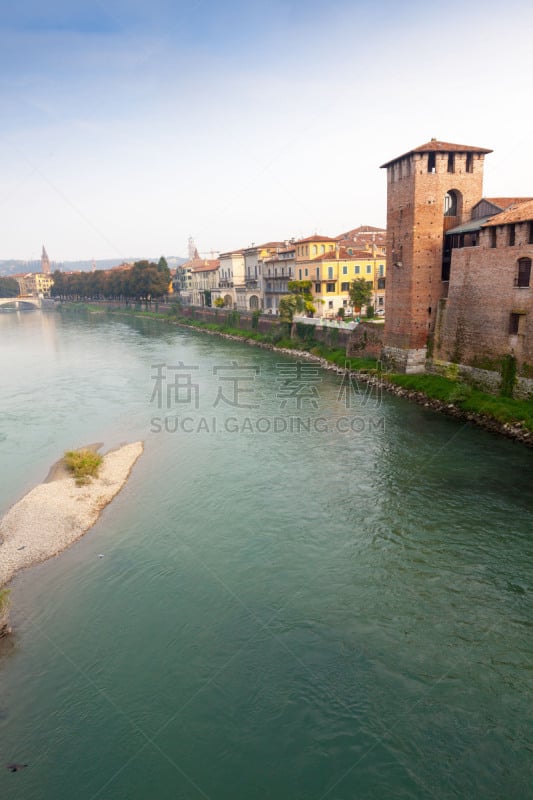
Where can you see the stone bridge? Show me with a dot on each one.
(22, 301)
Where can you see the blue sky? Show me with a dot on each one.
(128, 126)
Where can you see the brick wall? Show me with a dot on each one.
(366, 340)
(415, 229)
(474, 324)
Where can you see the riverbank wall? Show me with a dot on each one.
(501, 415)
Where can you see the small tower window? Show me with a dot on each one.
(451, 162)
(514, 324)
(511, 235)
(431, 162)
(493, 236)
(523, 276)
(469, 162)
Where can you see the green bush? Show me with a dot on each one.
(508, 373)
(84, 464)
(4, 600)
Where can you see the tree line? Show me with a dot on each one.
(9, 287)
(144, 281)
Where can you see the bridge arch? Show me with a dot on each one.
(22, 301)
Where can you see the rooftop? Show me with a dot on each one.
(435, 146)
(522, 212)
(344, 255)
(363, 231)
(204, 265)
(468, 227)
(266, 246)
(505, 202)
(316, 238)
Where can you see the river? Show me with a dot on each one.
(303, 591)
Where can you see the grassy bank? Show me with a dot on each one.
(279, 336)
(506, 410)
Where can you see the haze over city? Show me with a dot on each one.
(128, 126)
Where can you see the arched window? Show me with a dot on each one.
(523, 276)
(450, 204)
(314, 249)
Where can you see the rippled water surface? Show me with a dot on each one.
(340, 612)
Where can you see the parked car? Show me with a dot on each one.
(380, 312)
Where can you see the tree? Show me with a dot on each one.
(299, 299)
(360, 292)
(289, 304)
(9, 287)
(146, 281)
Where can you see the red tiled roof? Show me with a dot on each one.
(204, 265)
(316, 238)
(505, 202)
(522, 212)
(434, 146)
(287, 250)
(344, 255)
(362, 230)
(267, 245)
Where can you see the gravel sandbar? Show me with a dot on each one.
(55, 514)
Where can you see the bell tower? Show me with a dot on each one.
(429, 190)
(45, 262)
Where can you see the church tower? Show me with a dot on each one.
(45, 262)
(429, 190)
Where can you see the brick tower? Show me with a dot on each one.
(429, 190)
(45, 262)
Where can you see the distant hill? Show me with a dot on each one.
(13, 266)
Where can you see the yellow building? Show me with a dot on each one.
(36, 283)
(313, 246)
(43, 283)
(332, 272)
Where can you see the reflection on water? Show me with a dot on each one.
(276, 615)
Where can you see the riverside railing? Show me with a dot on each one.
(323, 322)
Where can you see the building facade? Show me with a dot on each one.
(277, 271)
(332, 273)
(35, 283)
(204, 281)
(250, 295)
(430, 190)
(231, 277)
(488, 311)
(460, 264)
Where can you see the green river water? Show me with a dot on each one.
(326, 595)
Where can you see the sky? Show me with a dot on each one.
(128, 126)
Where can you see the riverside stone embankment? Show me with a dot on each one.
(514, 431)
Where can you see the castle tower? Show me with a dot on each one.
(45, 262)
(429, 190)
